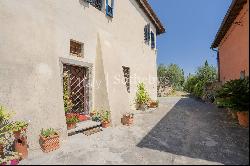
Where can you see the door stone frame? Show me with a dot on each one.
(89, 70)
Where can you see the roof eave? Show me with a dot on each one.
(152, 16)
(228, 20)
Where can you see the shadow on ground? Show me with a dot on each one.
(199, 130)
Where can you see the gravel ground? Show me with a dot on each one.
(180, 131)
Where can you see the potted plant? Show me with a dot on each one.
(105, 119)
(142, 97)
(49, 140)
(153, 104)
(96, 116)
(234, 95)
(127, 119)
(18, 128)
(83, 117)
(68, 104)
(21, 147)
(10, 159)
(71, 122)
(2, 142)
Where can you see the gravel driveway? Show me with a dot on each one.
(181, 131)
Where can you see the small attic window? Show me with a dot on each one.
(76, 48)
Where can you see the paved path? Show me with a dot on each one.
(181, 131)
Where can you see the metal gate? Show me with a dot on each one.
(78, 88)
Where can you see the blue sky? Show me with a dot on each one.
(191, 26)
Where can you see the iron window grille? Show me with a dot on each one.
(96, 3)
(76, 48)
(126, 72)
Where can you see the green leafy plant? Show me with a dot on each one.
(105, 116)
(234, 94)
(48, 132)
(96, 116)
(72, 120)
(19, 125)
(68, 104)
(142, 96)
(196, 84)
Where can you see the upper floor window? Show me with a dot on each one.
(147, 33)
(110, 7)
(152, 40)
(96, 3)
(76, 48)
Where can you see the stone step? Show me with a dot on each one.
(84, 126)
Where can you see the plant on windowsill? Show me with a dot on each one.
(71, 122)
(127, 119)
(142, 97)
(105, 118)
(49, 140)
(234, 95)
(68, 104)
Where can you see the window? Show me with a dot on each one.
(152, 40)
(126, 72)
(242, 74)
(76, 48)
(109, 7)
(147, 33)
(96, 3)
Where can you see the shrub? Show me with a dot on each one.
(234, 94)
(196, 84)
(142, 96)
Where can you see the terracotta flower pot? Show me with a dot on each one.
(50, 143)
(69, 115)
(17, 134)
(243, 118)
(105, 124)
(127, 120)
(22, 148)
(71, 126)
(1, 149)
(82, 117)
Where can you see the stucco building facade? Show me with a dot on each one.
(232, 41)
(35, 46)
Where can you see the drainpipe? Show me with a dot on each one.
(218, 62)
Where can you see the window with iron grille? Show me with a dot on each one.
(96, 3)
(76, 48)
(109, 7)
(126, 72)
(152, 40)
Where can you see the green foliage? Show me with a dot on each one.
(72, 119)
(171, 75)
(195, 84)
(234, 94)
(68, 105)
(19, 125)
(96, 116)
(142, 96)
(48, 132)
(105, 116)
